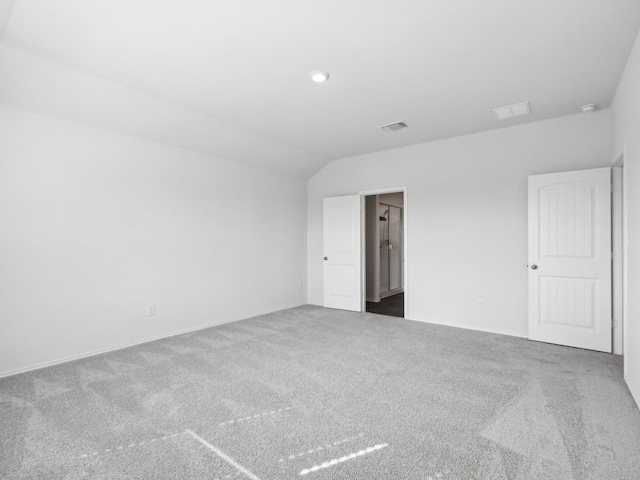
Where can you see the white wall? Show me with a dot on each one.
(466, 213)
(626, 109)
(95, 225)
(41, 85)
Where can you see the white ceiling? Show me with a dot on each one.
(242, 66)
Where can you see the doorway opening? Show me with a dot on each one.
(384, 254)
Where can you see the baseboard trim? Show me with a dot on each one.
(496, 332)
(433, 322)
(486, 331)
(631, 391)
(407, 317)
(92, 353)
(618, 349)
(391, 293)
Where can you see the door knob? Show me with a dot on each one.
(326, 258)
(534, 267)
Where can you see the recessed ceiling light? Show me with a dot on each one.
(512, 111)
(319, 76)
(590, 107)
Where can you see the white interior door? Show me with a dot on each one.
(342, 258)
(570, 258)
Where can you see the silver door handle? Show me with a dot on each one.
(534, 267)
(326, 258)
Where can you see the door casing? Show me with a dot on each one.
(405, 251)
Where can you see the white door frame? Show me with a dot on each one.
(405, 250)
(621, 196)
(618, 261)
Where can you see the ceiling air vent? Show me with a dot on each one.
(511, 111)
(392, 127)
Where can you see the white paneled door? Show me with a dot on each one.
(342, 258)
(570, 258)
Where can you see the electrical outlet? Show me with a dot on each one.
(151, 310)
(480, 303)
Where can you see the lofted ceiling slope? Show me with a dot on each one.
(239, 69)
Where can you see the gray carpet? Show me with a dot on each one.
(311, 393)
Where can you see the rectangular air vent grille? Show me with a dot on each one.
(392, 127)
(511, 111)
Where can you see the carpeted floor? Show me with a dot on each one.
(323, 394)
